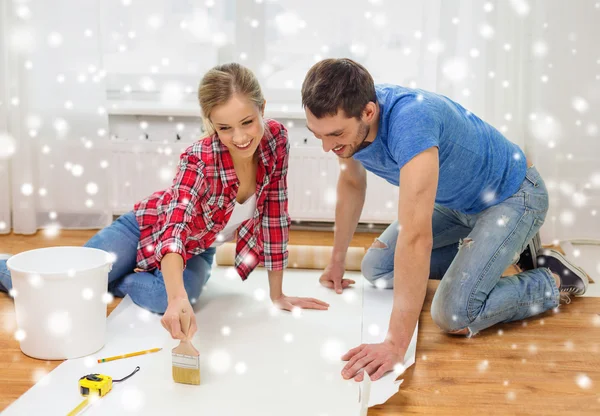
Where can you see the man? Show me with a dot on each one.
(469, 205)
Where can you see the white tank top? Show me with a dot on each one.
(241, 213)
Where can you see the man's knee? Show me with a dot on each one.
(372, 261)
(449, 316)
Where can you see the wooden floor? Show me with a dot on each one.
(548, 365)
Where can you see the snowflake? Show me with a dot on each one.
(580, 104)
(107, 298)
(241, 368)
(511, 395)
(374, 330)
(155, 21)
(51, 230)
(330, 196)
(132, 398)
(504, 219)
(296, 312)
(533, 349)
(59, 323)
(483, 365)
(226, 331)
(435, 46)
(567, 218)
(55, 39)
(399, 368)
(488, 196)
(332, 350)
(20, 335)
(77, 170)
(172, 93)
(8, 146)
(455, 69)
(111, 258)
(349, 296)
(144, 315)
(87, 293)
(380, 284)
(540, 49)
(486, 31)
(90, 361)
(288, 337)
(521, 7)
(219, 361)
(249, 259)
(500, 332)
(41, 377)
(260, 295)
(583, 381)
(35, 280)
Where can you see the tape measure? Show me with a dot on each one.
(96, 386)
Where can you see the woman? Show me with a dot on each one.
(232, 180)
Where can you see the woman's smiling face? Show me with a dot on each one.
(239, 125)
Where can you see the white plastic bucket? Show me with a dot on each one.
(59, 301)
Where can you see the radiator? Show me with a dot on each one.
(140, 167)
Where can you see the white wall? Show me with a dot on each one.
(485, 55)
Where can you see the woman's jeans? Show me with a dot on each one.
(147, 289)
(470, 253)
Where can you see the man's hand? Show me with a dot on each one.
(332, 278)
(375, 359)
(288, 303)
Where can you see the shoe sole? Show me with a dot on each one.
(579, 271)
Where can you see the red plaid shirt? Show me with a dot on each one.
(187, 217)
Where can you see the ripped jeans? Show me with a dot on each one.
(470, 253)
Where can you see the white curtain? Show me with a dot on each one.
(53, 96)
(529, 67)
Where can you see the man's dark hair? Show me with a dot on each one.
(334, 84)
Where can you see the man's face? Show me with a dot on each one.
(338, 133)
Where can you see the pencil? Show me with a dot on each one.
(131, 354)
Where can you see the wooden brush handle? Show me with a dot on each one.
(185, 319)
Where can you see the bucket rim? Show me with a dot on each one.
(55, 274)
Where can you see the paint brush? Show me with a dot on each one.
(186, 358)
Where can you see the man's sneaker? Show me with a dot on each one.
(528, 259)
(573, 279)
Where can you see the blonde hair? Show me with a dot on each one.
(223, 81)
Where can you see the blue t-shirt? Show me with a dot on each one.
(479, 167)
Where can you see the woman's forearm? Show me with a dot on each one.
(172, 270)
(275, 283)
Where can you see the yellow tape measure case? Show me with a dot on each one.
(95, 384)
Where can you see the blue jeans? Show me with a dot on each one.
(147, 289)
(470, 253)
